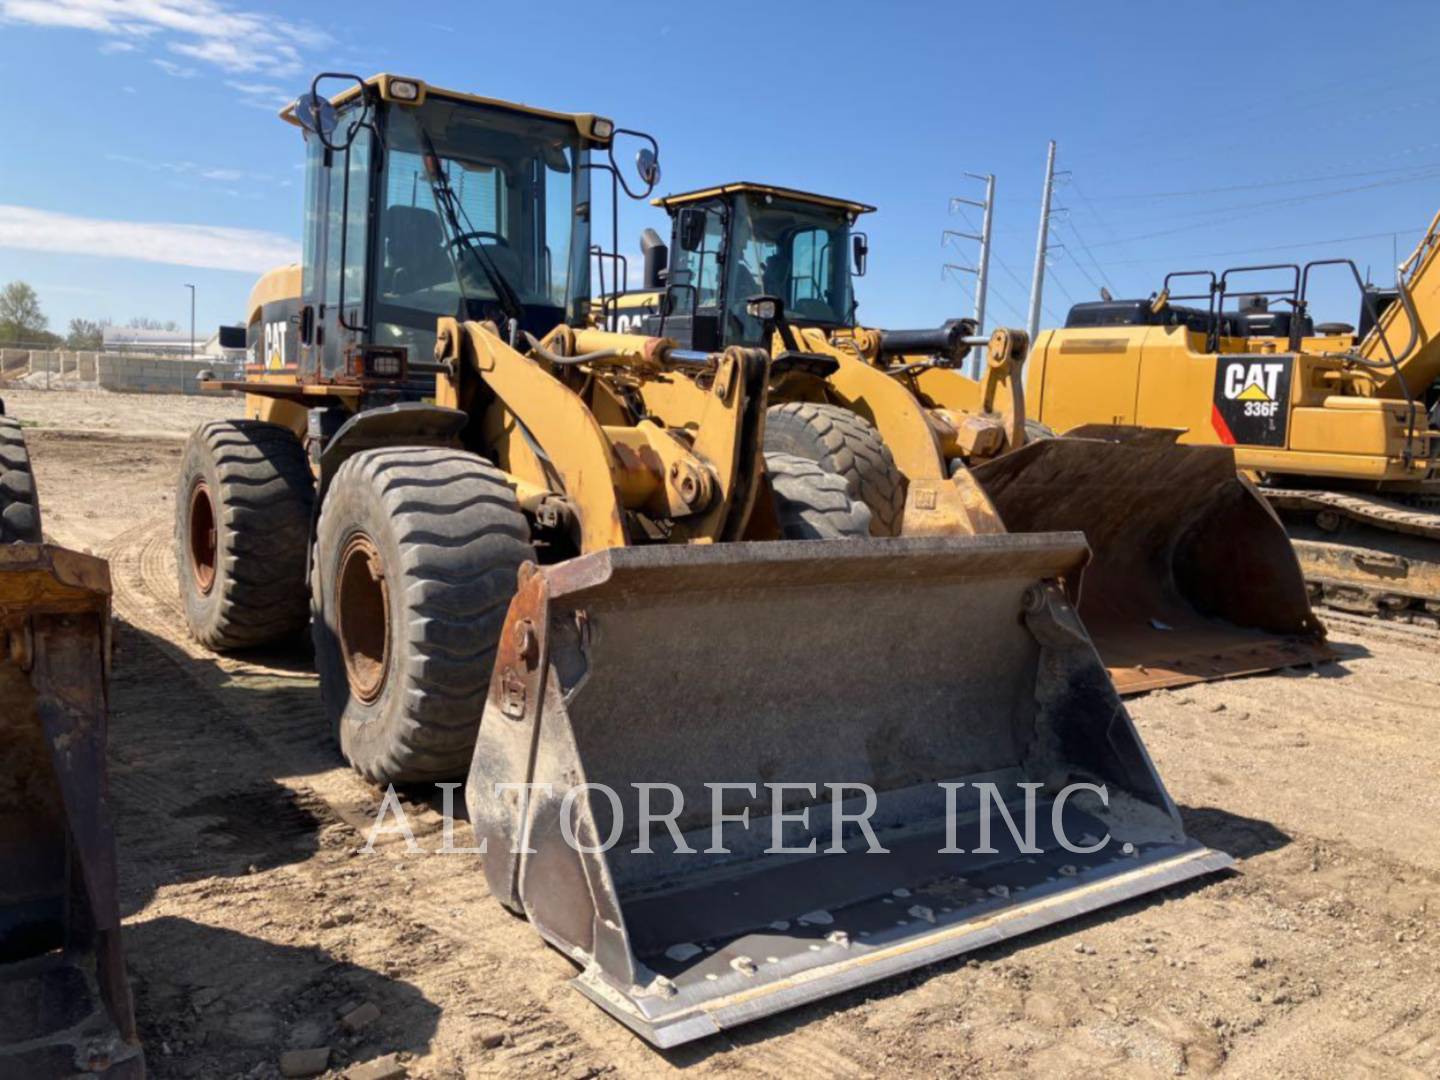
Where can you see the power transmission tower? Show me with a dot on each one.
(1042, 244)
(981, 269)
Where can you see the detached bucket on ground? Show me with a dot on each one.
(1192, 576)
(897, 666)
(64, 1001)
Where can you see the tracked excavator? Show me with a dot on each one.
(1191, 576)
(685, 685)
(65, 1007)
(1336, 422)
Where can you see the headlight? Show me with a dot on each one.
(385, 365)
(602, 128)
(404, 90)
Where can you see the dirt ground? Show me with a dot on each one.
(252, 923)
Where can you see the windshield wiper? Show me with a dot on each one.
(448, 203)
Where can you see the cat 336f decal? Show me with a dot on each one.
(1251, 393)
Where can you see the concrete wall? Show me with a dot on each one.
(150, 374)
(121, 372)
(80, 365)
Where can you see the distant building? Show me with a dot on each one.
(126, 339)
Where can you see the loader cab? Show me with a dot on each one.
(732, 243)
(422, 203)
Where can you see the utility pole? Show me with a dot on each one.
(982, 268)
(1037, 283)
(192, 320)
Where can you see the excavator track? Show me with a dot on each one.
(1366, 553)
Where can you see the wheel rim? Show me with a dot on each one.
(363, 617)
(204, 538)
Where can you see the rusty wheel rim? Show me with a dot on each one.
(362, 617)
(204, 538)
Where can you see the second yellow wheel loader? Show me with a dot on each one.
(1191, 577)
(1337, 422)
(688, 687)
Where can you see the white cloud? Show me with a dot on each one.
(210, 246)
(207, 31)
(261, 95)
(189, 169)
(118, 47)
(179, 71)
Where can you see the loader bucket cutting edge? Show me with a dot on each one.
(1192, 576)
(65, 1005)
(896, 664)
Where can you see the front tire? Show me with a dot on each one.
(812, 503)
(848, 445)
(242, 533)
(416, 556)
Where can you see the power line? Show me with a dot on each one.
(1086, 248)
(1094, 212)
(1286, 200)
(1081, 267)
(1253, 209)
(1018, 284)
(1015, 311)
(1055, 277)
(1261, 250)
(1262, 184)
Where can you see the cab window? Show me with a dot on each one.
(695, 275)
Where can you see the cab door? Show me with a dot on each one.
(334, 275)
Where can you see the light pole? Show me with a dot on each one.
(192, 320)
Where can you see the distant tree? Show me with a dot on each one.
(21, 319)
(85, 334)
(141, 322)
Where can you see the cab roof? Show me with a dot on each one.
(746, 187)
(584, 122)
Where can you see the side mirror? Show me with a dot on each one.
(232, 337)
(763, 309)
(315, 114)
(647, 165)
(859, 252)
(656, 256)
(691, 228)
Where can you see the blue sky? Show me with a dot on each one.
(1195, 136)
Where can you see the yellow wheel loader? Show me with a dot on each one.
(561, 558)
(1191, 577)
(65, 1005)
(1337, 423)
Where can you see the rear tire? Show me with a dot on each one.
(242, 534)
(19, 508)
(845, 444)
(416, 556)
(813, 503)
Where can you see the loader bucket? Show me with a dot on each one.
(889, 666)
(64, 1001)
(1192, 576)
